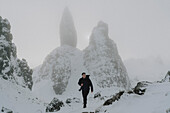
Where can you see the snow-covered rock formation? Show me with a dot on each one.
(62, 68)
(60, 65)
(103, 61)
(12, 68)
(68, 34)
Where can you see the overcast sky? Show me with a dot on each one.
(140, 28)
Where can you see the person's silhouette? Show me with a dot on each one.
(85, 84)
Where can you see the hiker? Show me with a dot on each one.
(85, 84)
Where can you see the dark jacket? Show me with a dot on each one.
(86, 83)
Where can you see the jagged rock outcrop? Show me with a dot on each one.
(167, 77)
(97, 95)
(141, 87)
(168, 110)
(12, 68)
(6, 110)
(55, 105)
(102, 60)
(68, 34)
(113, 99)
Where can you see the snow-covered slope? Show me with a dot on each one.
(21, 100)
(103, 61)
(18, 99)
(155, 100)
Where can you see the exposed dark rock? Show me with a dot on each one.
(114, 98)
(55, 105)
(6, 110)
(97, 95)
(130, 92)
(68, 101)
(168, 110)
(87, 112)
(100, 110)
(73, 100)
(167, 77)
(10, 66)
(141, 87)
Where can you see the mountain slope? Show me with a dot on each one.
(155, 100)
(18, 99)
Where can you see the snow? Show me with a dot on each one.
(18, 99)
(4, 29)
(22, 100)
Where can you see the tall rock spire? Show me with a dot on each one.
(102, 60)
(68, 34)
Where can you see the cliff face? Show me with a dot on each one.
(12, 68)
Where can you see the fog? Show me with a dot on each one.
(140, 28)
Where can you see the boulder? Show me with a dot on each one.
(167, 77)
(114, 98)
(140, 88)
(55, 105)
(6, 110)
(73, 100)
(97, 95)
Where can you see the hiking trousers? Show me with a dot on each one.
(85, 93)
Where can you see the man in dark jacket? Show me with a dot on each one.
(85, 84)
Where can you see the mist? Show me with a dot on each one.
(141, 29)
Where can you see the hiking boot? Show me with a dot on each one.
(84, 106)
